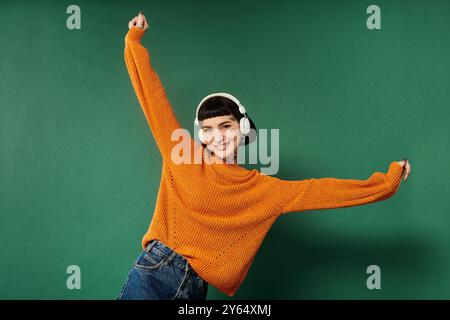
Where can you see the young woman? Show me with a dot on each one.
(212, 216)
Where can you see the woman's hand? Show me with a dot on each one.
(405, 164)
(138, 21)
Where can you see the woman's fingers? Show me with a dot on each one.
(140, 20)
(132, 23)
(407, 166)
(408, 170)
(401, 163)
(145, 23)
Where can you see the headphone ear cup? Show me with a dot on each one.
(244, 125)
(200, 136)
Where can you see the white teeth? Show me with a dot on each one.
(222, 147)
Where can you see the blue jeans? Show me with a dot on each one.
(160, 273)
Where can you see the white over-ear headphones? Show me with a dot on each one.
(244, 123)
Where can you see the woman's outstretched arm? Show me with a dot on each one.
(330, 193)
(149, 90)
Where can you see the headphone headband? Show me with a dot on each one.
(219, 94)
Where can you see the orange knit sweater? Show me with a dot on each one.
(217, 215)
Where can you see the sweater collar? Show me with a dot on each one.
(228, 171)
(231, 170)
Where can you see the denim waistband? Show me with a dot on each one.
(172, 255)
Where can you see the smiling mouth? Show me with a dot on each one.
(222, 146)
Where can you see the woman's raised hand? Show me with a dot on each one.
(138, 21)
(405, 164)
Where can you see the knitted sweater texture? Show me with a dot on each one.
(217, 215)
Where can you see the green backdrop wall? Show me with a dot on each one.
(80, 169)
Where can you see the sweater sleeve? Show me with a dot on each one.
(329, 193)
(150, 92)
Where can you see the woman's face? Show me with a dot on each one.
(222, 136)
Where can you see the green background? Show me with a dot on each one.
(80, 170)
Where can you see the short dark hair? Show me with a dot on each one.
(221, 106)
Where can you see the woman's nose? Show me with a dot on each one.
(219, 136)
